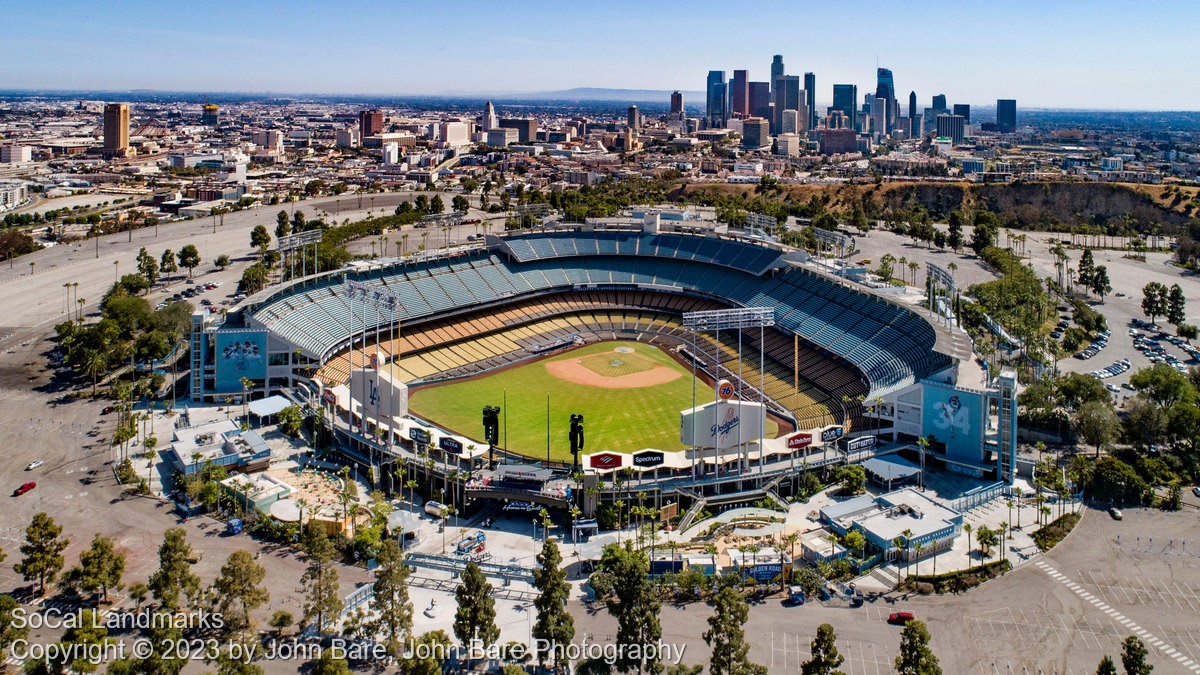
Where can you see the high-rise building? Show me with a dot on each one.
(633, 118)
(1006, 115)
(963, 110)
(740, 96)
(370, 123)
(210, 115)
(716, 112)
(810, 98)
(756, 132)
(939, 104)
(879, 123)
(776, 73)
(845, 99)
(490, 121)
(787, 97)
(760, 99)
(912, 104)
(952, 127)
(116, 128)
(885, 89)
(526, 128)
(790, 123)
(914, 126)
(677, 105)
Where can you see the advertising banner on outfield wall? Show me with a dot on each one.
(721, 424)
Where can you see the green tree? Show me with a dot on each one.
(162, 637)
(554, 623)
(825, 657)
(290, 419)
(1096, 423)
(299, 223)
(436, 205)
(100, 567)
(460, 204)
(1134, 657)
(632, 599)
(89, 630)
(320, 579)
(147, 266)
(424, 651)
(1162, 384)
(42, 551)
(1101, 284)
(282, 227)
(10, 629)
(1106, 667)
(955, 237)
(326, 664)
(174, 580)
(856, 541)
(726, 635)
(189, 258)
(1154, 300)
(239, 588)
(391, 602)
(476, 615)
(281, 620)
(1086, 270)
(1176, 305)
(260, 238)
(852, 478)
(222, 261)
(916, 658)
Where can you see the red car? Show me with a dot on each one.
(24, 488)
(900, 618)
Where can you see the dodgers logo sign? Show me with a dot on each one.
(725, 426)
(374, 395)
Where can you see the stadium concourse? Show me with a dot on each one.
(474, 311)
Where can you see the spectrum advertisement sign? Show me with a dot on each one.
(955, 417)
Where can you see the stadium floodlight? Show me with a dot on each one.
(729, 319)
(491, 430)
(576, 438)
(294, 241)
(451, 219)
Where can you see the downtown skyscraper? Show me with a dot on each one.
(716, 111)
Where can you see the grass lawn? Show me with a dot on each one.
(622, 420)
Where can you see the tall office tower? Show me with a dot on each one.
(116, 128)
(776, 73)
(741, 93)
(760, 99)
(677, 105)
(370, 123)
(490, 121)
(787, 97)
(879, 123)
(885, 89)
(756, 132)
(526, 127)
(633, 119)
(803, 114)
(1006, 115)
(912, 105)
(952, 127)
(716, 113)
(845, 99)
(963, 110)
(210, 115)
(810, 98)
(939, 103)
(790, 123)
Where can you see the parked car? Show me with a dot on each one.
(1116, 513)
(1196, 490)
(24, 488)
(900, 618)
(33, 465)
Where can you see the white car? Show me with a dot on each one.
(33, 465)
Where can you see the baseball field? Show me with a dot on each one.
(629, 393)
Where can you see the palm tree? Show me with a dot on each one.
(95, 364)
(920, 547)
(1003, 533)
(923, 445)
(246, 384)
(913, 266)
(967, 529)
(302, 504)
(412, 492)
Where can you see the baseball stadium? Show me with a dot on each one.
(705, 367)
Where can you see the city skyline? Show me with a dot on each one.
(546, 48)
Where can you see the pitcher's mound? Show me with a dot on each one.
(603, 370)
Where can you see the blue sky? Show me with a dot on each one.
(1050, 53)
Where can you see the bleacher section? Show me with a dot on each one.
(891, 345)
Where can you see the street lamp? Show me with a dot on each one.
(116, 271)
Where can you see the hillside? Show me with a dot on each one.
(1039, 206)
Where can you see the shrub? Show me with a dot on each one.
(1051, 534)
(956, 581)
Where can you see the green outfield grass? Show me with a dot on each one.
(621, 420)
